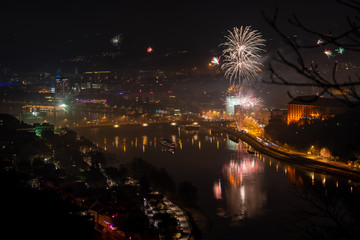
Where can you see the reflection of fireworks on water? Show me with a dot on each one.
(241, 54)
(240, 190)
(117, 40)
(217, 190)
(236, 171)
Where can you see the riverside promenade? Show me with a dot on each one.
(183, 220)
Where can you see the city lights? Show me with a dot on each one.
(121, 120)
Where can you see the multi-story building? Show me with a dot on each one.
(62, 85)
(305, 108)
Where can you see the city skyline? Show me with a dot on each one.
(180, 120)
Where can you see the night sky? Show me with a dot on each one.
(38, 36)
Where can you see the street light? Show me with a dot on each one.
(311, 151)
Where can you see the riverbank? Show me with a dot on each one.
(302, 160)
(193, 223)
(199, 222)
(267, 187)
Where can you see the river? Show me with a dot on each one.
(248, 196)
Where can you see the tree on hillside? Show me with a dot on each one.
(187, 193)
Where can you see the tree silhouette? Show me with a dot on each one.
(311, 73)
(144, 186)
(187, 193)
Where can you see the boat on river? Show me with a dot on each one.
(167, 143)
(192, 127)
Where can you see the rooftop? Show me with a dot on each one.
(318, 101)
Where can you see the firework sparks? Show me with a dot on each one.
(117, 40)
(242, 54)
(215, 61)
(328, 53)
(340, 50)
(319, 42)
(234, 89)
(249, 102)
(244, 101)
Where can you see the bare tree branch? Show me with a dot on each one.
(311, 77)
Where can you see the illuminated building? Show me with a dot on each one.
(61, 85)
(231, 102)
(98, 101)
(97, 80)
(41, 108)
(40, 113)
(305, 108)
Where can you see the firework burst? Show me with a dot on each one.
(117, 40)
(234, 89)
(340, 50)
(242, 100)
(215, 61)
(241, 55)
(329, 53)
(319, 42)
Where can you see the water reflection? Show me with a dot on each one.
(116, 141)
(249, 186)
(182, 138)
(325, 210)
(293, 176)
(240, 189)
